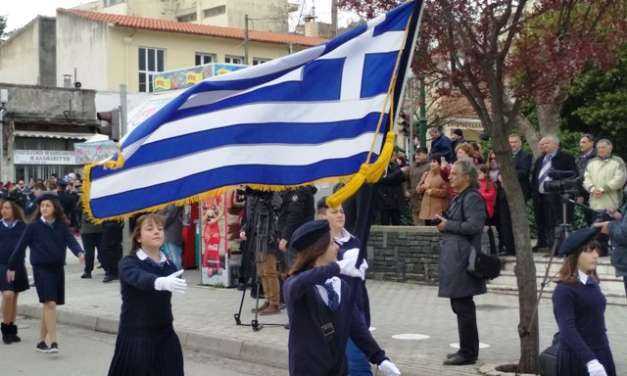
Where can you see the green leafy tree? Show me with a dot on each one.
(3, 25)
(597, 103)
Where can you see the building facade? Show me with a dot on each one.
(29, 55)
(267, 15)
(102, 51)
(39, 130)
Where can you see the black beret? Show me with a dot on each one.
(577, 239)
(47, 196)
(308, 234)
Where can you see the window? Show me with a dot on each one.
(204, 58)
(230, 59)
(259, 60)
(215, 11)
(187, 18)
(151, 61)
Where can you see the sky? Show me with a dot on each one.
(20, 12)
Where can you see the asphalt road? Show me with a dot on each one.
(88, 353)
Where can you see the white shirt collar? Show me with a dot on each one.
(8, 224)
(583, 277)
(344, 237)
(143, 255)
(337, 287)
(46, 222)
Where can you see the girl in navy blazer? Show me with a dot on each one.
(47, 237)
(321, 307)
(579, 308)
(11, 228)
(147, 343)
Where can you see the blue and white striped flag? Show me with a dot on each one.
(295, 120)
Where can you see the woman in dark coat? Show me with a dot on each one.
(617, 230)
(461, 229)
(579, 309)
(147, 344)
(11, 229)
(321, 307)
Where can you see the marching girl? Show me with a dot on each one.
(147, 343)
(11, 229)
(579, 308)
(47, 236)
(321, 309)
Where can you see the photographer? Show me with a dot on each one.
(617, 230)
(547, 203)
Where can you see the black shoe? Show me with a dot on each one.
(6, 333)
(54, 348)
(42, 347)
(109, 278)
(13, 331)
(449, 356)
(86, 275)
(458, 360)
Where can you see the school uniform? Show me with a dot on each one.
(146, 344)
(358, 364)
(10, 234)
(310, 352)
(47, 243)
(579, 310)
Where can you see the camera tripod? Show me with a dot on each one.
(254, 323)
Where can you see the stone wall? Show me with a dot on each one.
(404, 253)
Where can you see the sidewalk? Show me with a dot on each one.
(204, 322)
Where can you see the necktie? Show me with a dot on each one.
(334, 302)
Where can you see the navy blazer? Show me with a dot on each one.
(309, 354)
(562, 162)
(9, 237)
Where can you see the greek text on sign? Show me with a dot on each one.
(44, 157)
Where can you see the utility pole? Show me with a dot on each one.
(333, 18)
(246, 39)
(123, 111)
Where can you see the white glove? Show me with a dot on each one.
(171, 283)
(347, 264)
(389, 369)
(595, 368)
(362, 269)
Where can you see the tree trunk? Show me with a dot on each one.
(525, 266)
(549, 118)
(530, 134)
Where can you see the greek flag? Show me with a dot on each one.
(313, 115)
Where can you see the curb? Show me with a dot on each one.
(218, 346)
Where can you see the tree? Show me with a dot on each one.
(597, 103)
(3, 25)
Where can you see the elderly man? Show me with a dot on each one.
(461, 229)
(440, 144)
(553, 164)
(604, 178)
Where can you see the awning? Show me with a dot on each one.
(60, 135)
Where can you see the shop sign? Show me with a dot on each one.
(44, 157)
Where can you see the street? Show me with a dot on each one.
(85, 352)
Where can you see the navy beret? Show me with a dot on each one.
(577, 239)
(308, 234)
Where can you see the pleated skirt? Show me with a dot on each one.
(569, 364)
(50, 283)
(155, 352)
(19, 284)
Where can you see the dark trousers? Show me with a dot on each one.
(90, 243)
(112, 246)
(503, 222)
(466, 313)
(391, 217)
(625, 281)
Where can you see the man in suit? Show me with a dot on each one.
(547, 205)
(522, 162)
(440, 144)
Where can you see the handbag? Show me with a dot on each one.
(548, 358)
(481, 265)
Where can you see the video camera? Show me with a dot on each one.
(564, 182)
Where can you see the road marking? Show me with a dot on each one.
(481, 345)
(411, 337)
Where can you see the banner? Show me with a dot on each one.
(88, 152)
(44, 157)
(220, 224)
(186, 77)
